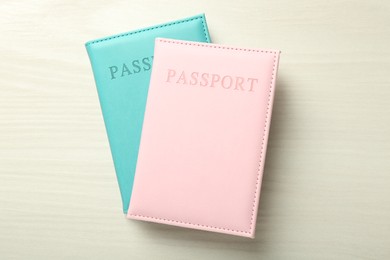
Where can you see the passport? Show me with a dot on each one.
(205, 135)
(121, 67)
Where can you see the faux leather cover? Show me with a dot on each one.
(121, 65)
(204, 137)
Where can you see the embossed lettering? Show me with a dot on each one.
(194, 78)
(130, 67)
(113, 70)
(136, 66)
(227, 79)
(171, 73)
(239, 82)
(252, 81)
(182, 79)
(205, 80)
(147, 63)
(125, 69)
(212, 80)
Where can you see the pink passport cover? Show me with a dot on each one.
(204, 137)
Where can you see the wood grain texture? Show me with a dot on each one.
(326, 187)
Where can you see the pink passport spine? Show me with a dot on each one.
(204, 139)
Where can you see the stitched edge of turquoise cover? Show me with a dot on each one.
(121, 66)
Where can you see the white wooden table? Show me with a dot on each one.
(326, 192)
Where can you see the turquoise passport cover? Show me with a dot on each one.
(121, 66)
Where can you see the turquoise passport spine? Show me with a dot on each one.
(121, 66)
